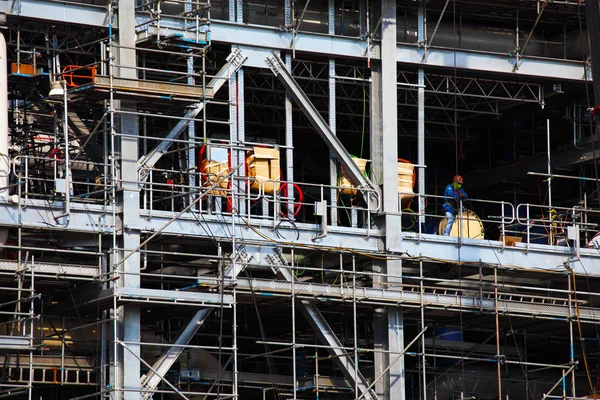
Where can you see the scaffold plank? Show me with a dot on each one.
(54, 269)
(171, 296)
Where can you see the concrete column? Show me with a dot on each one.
(129, 315)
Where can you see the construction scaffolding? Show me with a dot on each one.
(189, 213)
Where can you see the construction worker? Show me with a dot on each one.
(453, 194)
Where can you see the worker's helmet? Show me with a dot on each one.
(457, 179)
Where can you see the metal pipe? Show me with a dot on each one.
(497, 320)
(551, 239)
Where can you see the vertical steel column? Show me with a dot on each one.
(389, 147)
(129, 315)
(362, 18)
(192, 125)
(421, 117)
(332, 123)
(236, 112)
(240, 11)
(240, 187)
(380, 314)
(232, 14)
(289, 132)
(233, 126)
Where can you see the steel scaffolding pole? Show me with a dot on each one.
(322, 329)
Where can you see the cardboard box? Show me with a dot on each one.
(24, 69)
(406, 181)
(343, 180)
(510, 240)
(214, 171)
(263, 165)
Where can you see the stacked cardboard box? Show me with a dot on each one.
(214, 172)
(344, 182)
(406, 181)
(263, 165)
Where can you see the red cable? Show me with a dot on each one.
(297, 204)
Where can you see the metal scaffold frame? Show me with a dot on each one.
(155, 276)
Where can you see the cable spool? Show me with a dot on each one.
(471, 225)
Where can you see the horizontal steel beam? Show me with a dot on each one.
(78, 14)
(88, 218)
(529, 307)
(537, 257)
(314, 43)
(95, 219)
(273, 38)
(259, 231)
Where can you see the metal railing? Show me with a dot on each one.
(525, 222)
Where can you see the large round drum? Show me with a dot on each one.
(471, 225)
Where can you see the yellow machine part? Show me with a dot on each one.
(471, 225)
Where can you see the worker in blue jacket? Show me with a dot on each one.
(453, 194)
